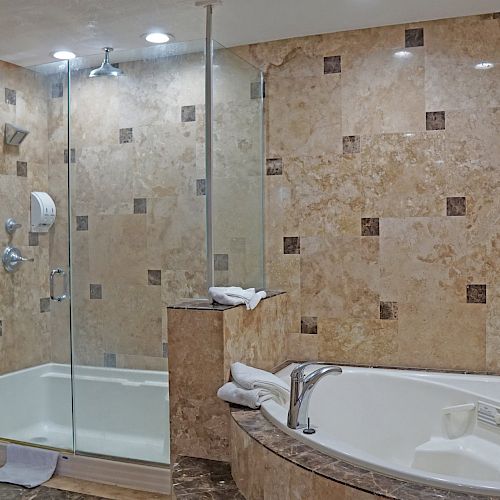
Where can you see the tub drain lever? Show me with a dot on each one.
(308, 429)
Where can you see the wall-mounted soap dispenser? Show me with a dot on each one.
(43, 212)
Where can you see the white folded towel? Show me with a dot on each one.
(234, 295)
(253, 378)
(233, 393)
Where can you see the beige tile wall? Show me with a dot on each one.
(416, 270)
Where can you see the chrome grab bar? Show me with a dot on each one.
(53, 273)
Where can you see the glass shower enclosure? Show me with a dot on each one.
(83, 332)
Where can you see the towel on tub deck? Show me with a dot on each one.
(27, 466)
(233, 393)
(234, 295)
(250, 378)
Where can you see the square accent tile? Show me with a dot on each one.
(22, 169)
(126, 135)
(351, 144)
(388, 310)
(1, 327)
(33, 239)
(435, 120)
(10, 96)
(164, 349)
(82, 222)
(257, 90)
(188, 113)
(291, 245)
(110, 359)
(73, 155)
(476, 294)
(274, 166)
(309, 325)
(95, 291)
(332, 64)
(414, 37)
(456, 206)
(45, 305)
(57, 90)
(370, 226)
(201, 187)
(154, 277)
(221, 262)
(140, 205)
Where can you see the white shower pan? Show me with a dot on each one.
(119, 413)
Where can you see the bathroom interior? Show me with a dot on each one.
(250, 250)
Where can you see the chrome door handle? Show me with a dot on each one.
(53, 273)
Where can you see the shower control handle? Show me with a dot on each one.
(12, 259)
(53, 274)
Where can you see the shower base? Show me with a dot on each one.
(117, 413)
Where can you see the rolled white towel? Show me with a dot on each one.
(235, 295)
(254, 378)
(253, 398)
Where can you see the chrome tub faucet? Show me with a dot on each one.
(301, 389)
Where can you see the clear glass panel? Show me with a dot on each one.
(35, 375)
(138, 239)
(237, 183)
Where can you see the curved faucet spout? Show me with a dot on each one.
(301, 391)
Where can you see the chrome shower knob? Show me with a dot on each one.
(12, 258)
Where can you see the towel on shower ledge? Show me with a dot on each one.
(28, 466)
(233, 393)
(234, 295)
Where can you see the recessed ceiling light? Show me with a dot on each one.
(403, 54)
(63, 54)
(157, 37)
(484, 65)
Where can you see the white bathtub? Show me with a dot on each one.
(419, 426)
(120, 413)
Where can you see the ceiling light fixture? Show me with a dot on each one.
(157, 37)
(484, 65)
(63, 54)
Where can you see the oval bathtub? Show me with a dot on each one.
(434, 428)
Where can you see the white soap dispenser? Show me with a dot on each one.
(43, 212)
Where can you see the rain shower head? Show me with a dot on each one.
(14, 135)
(106, 68)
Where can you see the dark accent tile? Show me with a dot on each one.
(22, 169)
(351, 144)
(309, 325)
(221, 262)
(126, 135)
(154, 277)
(291, 245)
(257, 90)
(10, 96)
(164, 349)
(476, 294)
(45, 305)
(370, 226)
(456, 206)
(201, 187)
(110, 359)
(73, 155)
(188, 113)
(274, 166)
(1, 327)
(33, 240)
(495, 15)
(388, 310)
(140, 206)
(414, 37)
(82, 222)
(435, 120)
(57, 90)
(95, 291)
(332, 64)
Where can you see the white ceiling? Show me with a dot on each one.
(30, 30)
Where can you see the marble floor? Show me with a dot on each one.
(63, 488)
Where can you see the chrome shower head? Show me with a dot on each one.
(14, 135)
(106, 68)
